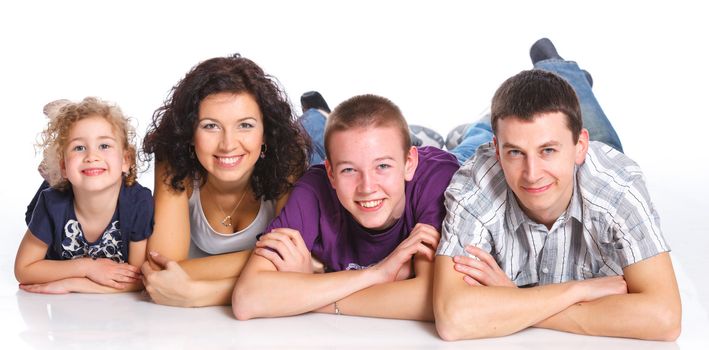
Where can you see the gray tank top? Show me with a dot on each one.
(206, 241)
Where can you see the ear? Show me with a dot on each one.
(330, 174)
(497, 149)
(62, 168)
(582, 147)
(411, 163)
(127, 161)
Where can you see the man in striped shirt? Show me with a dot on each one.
(548, 229)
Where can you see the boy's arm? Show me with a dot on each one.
(651, 310)
(32, 268)
(408, 299)
(262, 291)
(466, 312)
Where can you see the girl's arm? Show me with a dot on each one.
(171, 233)
(79, 285)
(32, 268)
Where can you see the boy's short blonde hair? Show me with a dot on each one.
(367, 111)
(54, 138)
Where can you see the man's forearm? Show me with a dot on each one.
(629, 315)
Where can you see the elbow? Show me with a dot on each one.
(449, 325)
(669, 324)
(242, 302)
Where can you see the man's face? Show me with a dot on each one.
(368, 169)
(538, 159)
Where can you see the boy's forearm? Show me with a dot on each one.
(275, 294)
(211, 293)
(409, 299)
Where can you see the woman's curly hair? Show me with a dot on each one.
(170, 135)
(54, 138)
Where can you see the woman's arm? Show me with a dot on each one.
(171, 232)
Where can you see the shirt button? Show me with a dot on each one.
(545, 270)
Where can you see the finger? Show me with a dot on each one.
(159, 259)
(283, 247)
(294, 236)
(271, 256)
(471, 281)
(482, 255)
(147, 270)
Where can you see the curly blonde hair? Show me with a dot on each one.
(54, 139)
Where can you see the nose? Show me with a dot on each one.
(91, 155)
(532, 170)
(228, 141)
(366, 183)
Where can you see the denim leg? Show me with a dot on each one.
(313, 122)
(476, 135)
(594, 120)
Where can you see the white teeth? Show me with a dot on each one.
(228, 160)
(370, 204)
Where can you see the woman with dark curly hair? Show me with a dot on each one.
(227, 149)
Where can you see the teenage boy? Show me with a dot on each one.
(371, 214)
(548, 229)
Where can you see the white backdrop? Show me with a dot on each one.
(440, 61)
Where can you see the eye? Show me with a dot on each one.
(209, 126)
(514, 153)
(104, 146)
(347, 170)
(78, 148)
(246, 125)
(383, 166)
(548, 151)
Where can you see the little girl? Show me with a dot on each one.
(87, 233)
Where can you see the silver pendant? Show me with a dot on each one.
(227, 221)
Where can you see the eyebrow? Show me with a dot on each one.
(375, 160)
(544, 145)
(100, 138)
(218, 121)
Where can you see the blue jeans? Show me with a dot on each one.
(475, 135)
(594, 120)
(313, 122)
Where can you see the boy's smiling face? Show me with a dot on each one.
(368, 169)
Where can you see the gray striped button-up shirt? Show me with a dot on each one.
(609, 224)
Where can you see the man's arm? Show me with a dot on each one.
(651, 310)
(466, 312)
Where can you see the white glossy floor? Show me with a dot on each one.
(439, 61)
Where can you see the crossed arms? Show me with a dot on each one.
(270, 286)
(475, 299)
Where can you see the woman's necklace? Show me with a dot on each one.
(226, 222)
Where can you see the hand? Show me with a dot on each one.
(169, 285)
(286, 249)
(600, 287)
(54, 287)
(109, 273)
(482, 269)
(422, 240)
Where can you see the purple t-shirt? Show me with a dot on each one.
(335, 238)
